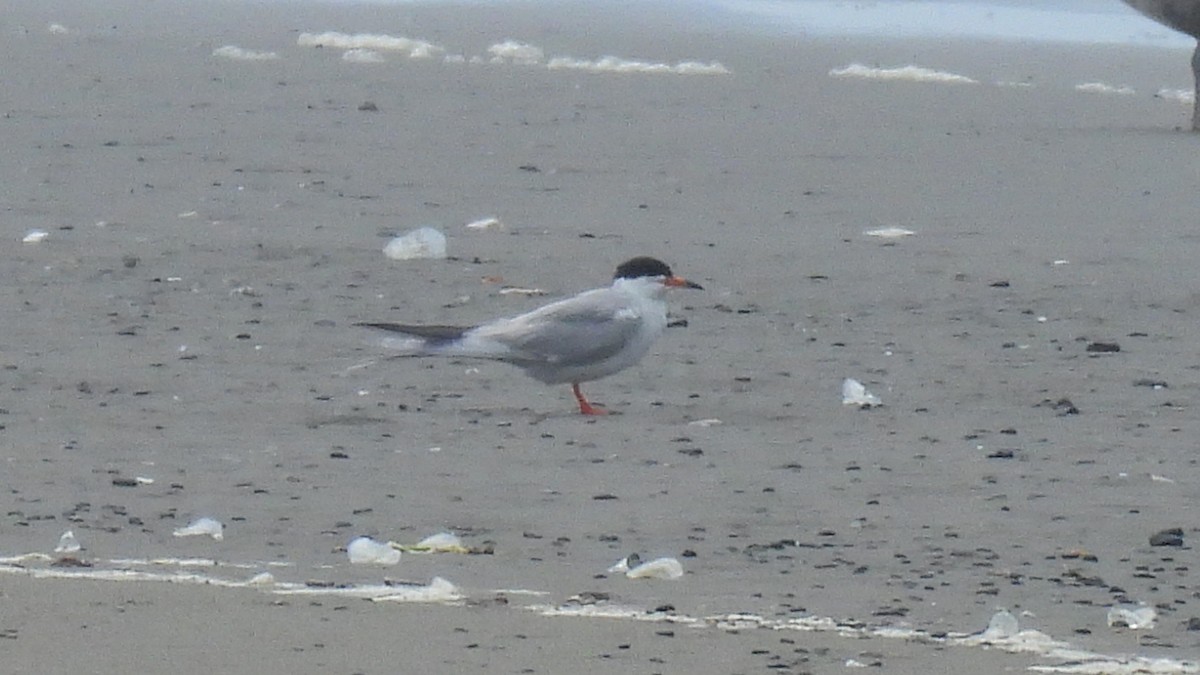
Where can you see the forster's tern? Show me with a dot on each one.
(578, 339)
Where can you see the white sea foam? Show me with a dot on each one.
(614, 64)
(1102, 88)
(519, 53)
(239, 54)
(903, 73)
(362, 56)
(417, 49)
(1181, 95)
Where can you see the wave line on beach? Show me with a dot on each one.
(1006, 637)
(1028, 641)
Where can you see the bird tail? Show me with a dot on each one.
(428, 339)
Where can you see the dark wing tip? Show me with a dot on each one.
(431, 333)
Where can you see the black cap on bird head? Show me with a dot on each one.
(642, 266)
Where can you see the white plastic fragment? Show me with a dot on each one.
(261, 579)
(202, 527)
(661, 568)
(889, 233)
(367, 551)
(1133, 617)
(854, 393)
(421, 243)
(442, 542)
(623, 565)
(34, 236)
(1003, 626)
(67, 543)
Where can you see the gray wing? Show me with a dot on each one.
(587, 328)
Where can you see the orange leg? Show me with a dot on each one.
(586, 408)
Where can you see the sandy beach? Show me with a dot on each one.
(205, 227)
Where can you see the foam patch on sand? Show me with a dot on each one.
(903, 74)
(240, 54)
(416, 49)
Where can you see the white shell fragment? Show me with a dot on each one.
(67, 543)
(421, 243)
(662, 568)
(1133, 617)
(367, 551)
(854, 393)
(202, 527)
(889, 233)
(34, 236)
(512, 290)
(489, 223)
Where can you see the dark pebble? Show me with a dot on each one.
(1169, 537)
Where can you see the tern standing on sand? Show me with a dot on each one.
(1183, 16)
(579, 339)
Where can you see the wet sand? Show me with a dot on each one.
(215, 226)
